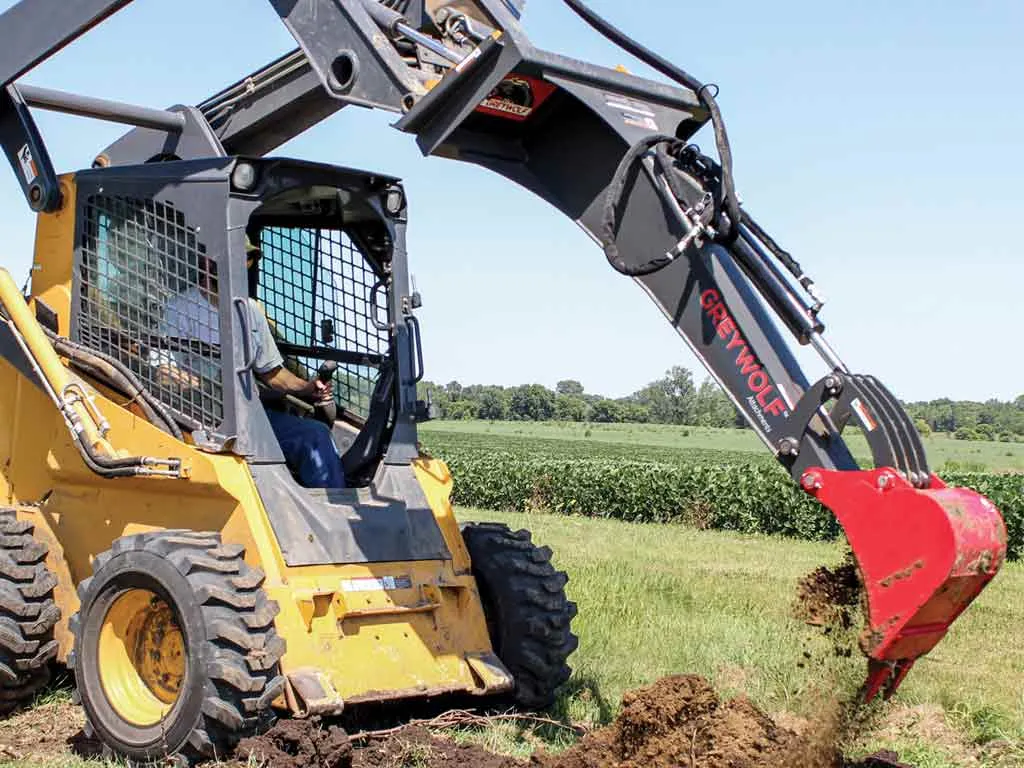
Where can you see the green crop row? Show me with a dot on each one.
(734, 496)
(461, 443)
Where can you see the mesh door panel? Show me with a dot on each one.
(310, 275)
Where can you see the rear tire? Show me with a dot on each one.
(175, 647)
(528, 614)
(28, 613)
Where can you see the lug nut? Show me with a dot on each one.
(885, 482)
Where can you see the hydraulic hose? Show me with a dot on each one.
(726, 232)
(85, 423)
(114, 372)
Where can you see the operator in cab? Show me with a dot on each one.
(308, 447)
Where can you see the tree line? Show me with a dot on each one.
(968, 420)
(677, 399)
(673, 399)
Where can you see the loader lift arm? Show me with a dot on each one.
(612, 152)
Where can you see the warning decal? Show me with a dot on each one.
(864, 415)
(28, 164)
(371, 584)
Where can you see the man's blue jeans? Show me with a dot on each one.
(308, 449)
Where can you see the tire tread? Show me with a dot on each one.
(529, 612)
(28, 613)
(243, 649)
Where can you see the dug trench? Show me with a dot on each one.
(678, 722)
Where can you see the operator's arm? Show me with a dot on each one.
(268, 364)
(284, 381)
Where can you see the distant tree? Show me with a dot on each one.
(712, 407)
(922, 426)
(492, 405)
(454, 390)
(672, 399)
(606, 412)
(532, 402)
(986, 431)
(967, 433)
(569, 387)
(569, 408)
(436, 395)
(462, 410)
(634, 413)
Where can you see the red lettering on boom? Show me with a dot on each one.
(709, 298)
(746, 362)
(758, 380)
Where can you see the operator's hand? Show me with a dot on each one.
(316, 391)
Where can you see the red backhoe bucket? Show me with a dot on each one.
(923, 555)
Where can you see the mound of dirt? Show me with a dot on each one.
(679, 722)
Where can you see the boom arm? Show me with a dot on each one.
(610, 151)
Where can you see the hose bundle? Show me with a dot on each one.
(726, 203)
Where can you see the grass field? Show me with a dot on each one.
(656, 600)
(943, 451)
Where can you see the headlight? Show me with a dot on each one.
(243, 178)
(394, 200)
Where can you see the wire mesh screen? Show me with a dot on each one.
(149, 298)
(318, 291)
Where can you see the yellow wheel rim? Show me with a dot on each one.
(142, 659)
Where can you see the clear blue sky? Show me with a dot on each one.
(880, 142)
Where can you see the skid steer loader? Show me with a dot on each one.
(153, 536)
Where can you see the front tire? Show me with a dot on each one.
(528, 614)
(175, 647)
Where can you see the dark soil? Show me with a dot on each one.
(306, 744)
(678, 722)
(417, 748)
(829, 597)
(298, 744)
